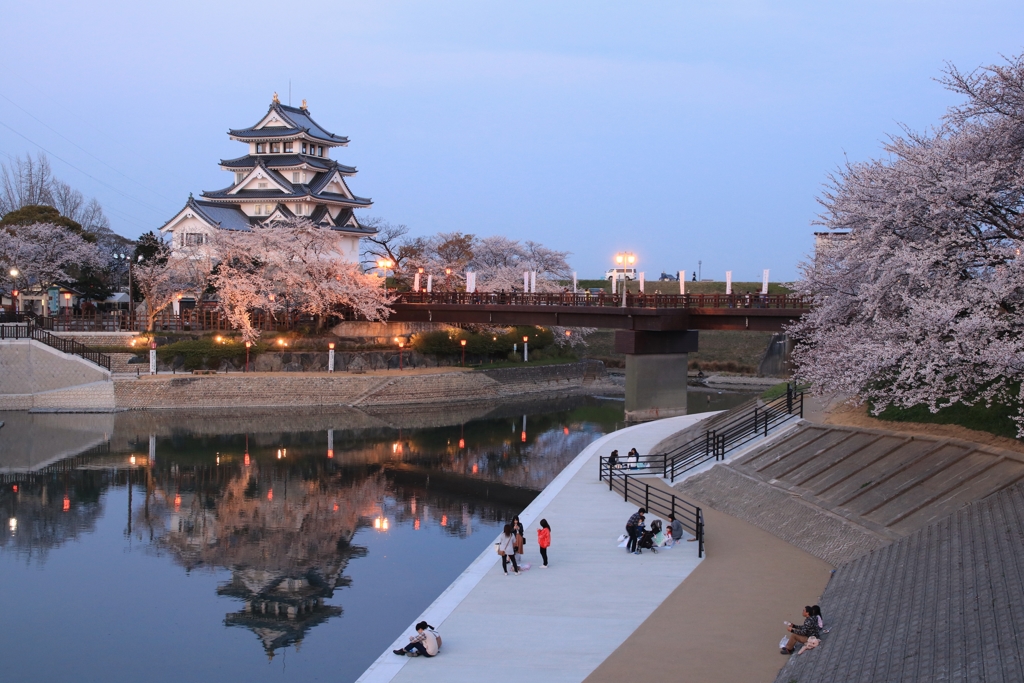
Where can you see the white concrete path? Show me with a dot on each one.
(559, 623)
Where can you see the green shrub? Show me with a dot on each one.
(206, 353)
(995, 419)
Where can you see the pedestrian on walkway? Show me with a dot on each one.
(633, 525)
(507, 550)
(544, 540)
(517, 528)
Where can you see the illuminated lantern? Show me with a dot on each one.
(444, 520)
(67, 503)
(270, 494)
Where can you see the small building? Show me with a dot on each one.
(286, 172)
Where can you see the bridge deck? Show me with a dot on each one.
(659, 313)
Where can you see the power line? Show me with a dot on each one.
(62, 136)
(88, 175)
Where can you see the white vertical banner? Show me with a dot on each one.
(469, 283)
(682, 282)
(430, 283)
(152, 449)
(526, 282)
(176, 305)
(764, 282)
(416, 282)
(574, 281)
(728, 282)
(533, 282)
(641, 282)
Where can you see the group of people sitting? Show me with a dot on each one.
(809, 633)
(630, 462)
(640, 538)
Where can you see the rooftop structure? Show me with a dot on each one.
(288, 172)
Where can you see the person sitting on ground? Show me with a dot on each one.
(425, 642)
(800, 634)
(676, 528)
(613, 460)
(633, 527)
(634, 455)
(816, 613)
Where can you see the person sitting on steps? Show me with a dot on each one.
(800, 634)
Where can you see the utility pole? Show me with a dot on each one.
(698, 269)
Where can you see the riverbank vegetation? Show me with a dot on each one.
(919, 287)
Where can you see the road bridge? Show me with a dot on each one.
(654, 331)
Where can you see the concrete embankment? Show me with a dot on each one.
(37, 377)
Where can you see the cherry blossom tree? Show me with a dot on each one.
(290, 262)
(160, 276)
(44, 254)
(922, 300)
(500, 263)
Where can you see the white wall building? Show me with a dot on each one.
(287, 172)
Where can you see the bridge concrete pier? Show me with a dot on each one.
(656, 368)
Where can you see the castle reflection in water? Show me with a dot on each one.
(277, 499)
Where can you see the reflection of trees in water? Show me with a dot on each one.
(49, 510)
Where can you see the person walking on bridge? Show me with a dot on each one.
(544, 540)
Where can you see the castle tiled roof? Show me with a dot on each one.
(286, 161)
(299, 121)
(231, 217)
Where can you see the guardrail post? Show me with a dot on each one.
(625, 487)
(801, 405)
(600, 469)
(789, 398)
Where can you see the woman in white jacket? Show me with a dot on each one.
(507, 549)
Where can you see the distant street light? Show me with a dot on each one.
(247, 345)
(401, 345)
(463, 343)
(385, 265)
(526, 349)
(330, 359)
(624, 260)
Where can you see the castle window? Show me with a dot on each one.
(303, 147)
(275, 147)
(287, 147)
(295, 176)
(260, 148)
(259, 209)
(262, 186)
(319, 151)
(300, 209)
(239, 176)
(194, 239)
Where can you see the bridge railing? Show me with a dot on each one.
(584, 299)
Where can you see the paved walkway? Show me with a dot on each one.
(560, 623)
(723, 624)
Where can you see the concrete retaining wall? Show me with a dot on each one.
(295, 390)
(34, 375)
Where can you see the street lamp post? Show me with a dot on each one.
(401, 346)
(385, 265)
(448, 279)
(247, 345)
(463, 343)
(526, 349)
(67, 310)
(624, 260)
(330, 357)
(14, 273)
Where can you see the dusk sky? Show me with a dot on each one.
(683, 131)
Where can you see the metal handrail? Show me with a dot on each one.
(715, 443)
(31, 331)
(655, 500)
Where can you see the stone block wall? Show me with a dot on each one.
(94, 339)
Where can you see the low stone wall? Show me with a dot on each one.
(94, 339)
(343, 389)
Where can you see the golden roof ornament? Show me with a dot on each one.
(303, 104)
(276, 101)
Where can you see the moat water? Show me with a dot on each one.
(256, 546)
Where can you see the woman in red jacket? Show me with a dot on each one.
(544, 540)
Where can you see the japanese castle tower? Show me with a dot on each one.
(287, 172)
